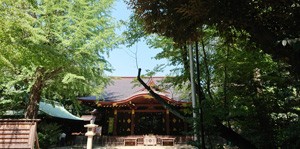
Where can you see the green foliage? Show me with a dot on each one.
(250, 91)
(57, 44)
(244, 87)
(48, 134)
(134, 31)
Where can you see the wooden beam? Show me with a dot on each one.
(115, 121)
(167, 122)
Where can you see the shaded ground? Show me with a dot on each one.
(131, 147)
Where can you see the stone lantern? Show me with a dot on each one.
(91, 131)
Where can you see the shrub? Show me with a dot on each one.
(48, 134)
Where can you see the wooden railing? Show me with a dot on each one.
(18, 133)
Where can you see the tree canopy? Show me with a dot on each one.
(53, 50)
(272, 25)
(248, 63)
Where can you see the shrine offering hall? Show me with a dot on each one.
(126, 108)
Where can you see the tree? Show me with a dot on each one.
(54, 49)
(272, 26)
(244, 88)
(267, 25)
(250, 104)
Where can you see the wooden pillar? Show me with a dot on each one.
(132, 121)
(115, 122)
(167, 122)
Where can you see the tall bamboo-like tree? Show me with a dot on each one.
(52, 49)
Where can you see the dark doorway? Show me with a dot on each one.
(149, 123)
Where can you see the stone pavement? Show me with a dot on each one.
(149, 147)
(131, 147)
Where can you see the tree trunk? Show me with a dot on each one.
(260, 105)
(233, 137)
(35, 95)
(225, 132)
(171, 108)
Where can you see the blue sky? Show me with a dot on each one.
(123, 60)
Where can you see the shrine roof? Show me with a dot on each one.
(123, 88)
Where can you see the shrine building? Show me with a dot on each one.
(127, 109)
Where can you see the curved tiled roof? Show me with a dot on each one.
(124, 89)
